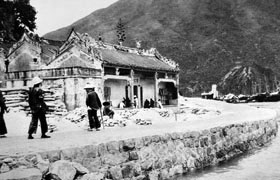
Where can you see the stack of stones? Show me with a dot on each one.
(55, 104)
(17, 100)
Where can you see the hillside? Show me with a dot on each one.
(206, 37)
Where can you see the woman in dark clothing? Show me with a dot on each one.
(3, 129)
(152, 103)
(38, 108)
(146, 104)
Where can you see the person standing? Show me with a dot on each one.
(38, 109)
(93, 103)
(159, 104)
(3, 129)
(136, 103)
(152, 103)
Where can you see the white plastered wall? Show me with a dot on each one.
(117, 90)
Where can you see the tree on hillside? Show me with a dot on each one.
(121, 31)
(15, 17)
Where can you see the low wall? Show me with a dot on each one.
(163, 156)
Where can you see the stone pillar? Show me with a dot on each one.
(102, 98)
(156, 88)
(177, 85)
(131, 86)
(76, 89)
(7, 62)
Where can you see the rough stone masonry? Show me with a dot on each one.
(150, 157)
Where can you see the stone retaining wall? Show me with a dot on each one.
(162, 156)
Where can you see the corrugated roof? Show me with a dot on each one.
(119, 58)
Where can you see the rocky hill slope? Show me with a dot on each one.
(206, 37)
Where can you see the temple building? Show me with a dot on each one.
(117, 72)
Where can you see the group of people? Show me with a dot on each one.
(39, 108)
(149, 104)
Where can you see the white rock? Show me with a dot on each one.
(22, 174)
(80, 169)
(4, 168)
(63, 169)
(93, 176)
(8, 160)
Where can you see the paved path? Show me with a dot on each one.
(19, 145)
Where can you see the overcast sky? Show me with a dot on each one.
(55, 14)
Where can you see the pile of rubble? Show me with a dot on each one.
(199, 111)
(77, 115)
(125, 117)
(107, 122)
(143, 121)
(128, 113)
(164, 113)
(121, 118)
(52, 127)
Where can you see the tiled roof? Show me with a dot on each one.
(54, 42)
(50, 45)
(119, 58)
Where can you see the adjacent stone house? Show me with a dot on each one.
(118, 72)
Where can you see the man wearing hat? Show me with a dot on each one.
(38, 109)
(93, 103)
(3, 129)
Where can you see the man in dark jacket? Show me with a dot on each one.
(38, 109)
(3, 129)
(93, 103)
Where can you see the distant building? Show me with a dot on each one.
(118, 72)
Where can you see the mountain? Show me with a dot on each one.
(206, 37)
(249, 79)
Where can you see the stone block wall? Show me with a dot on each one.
(154, 157)
(163, 156)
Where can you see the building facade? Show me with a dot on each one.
(117, 72)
